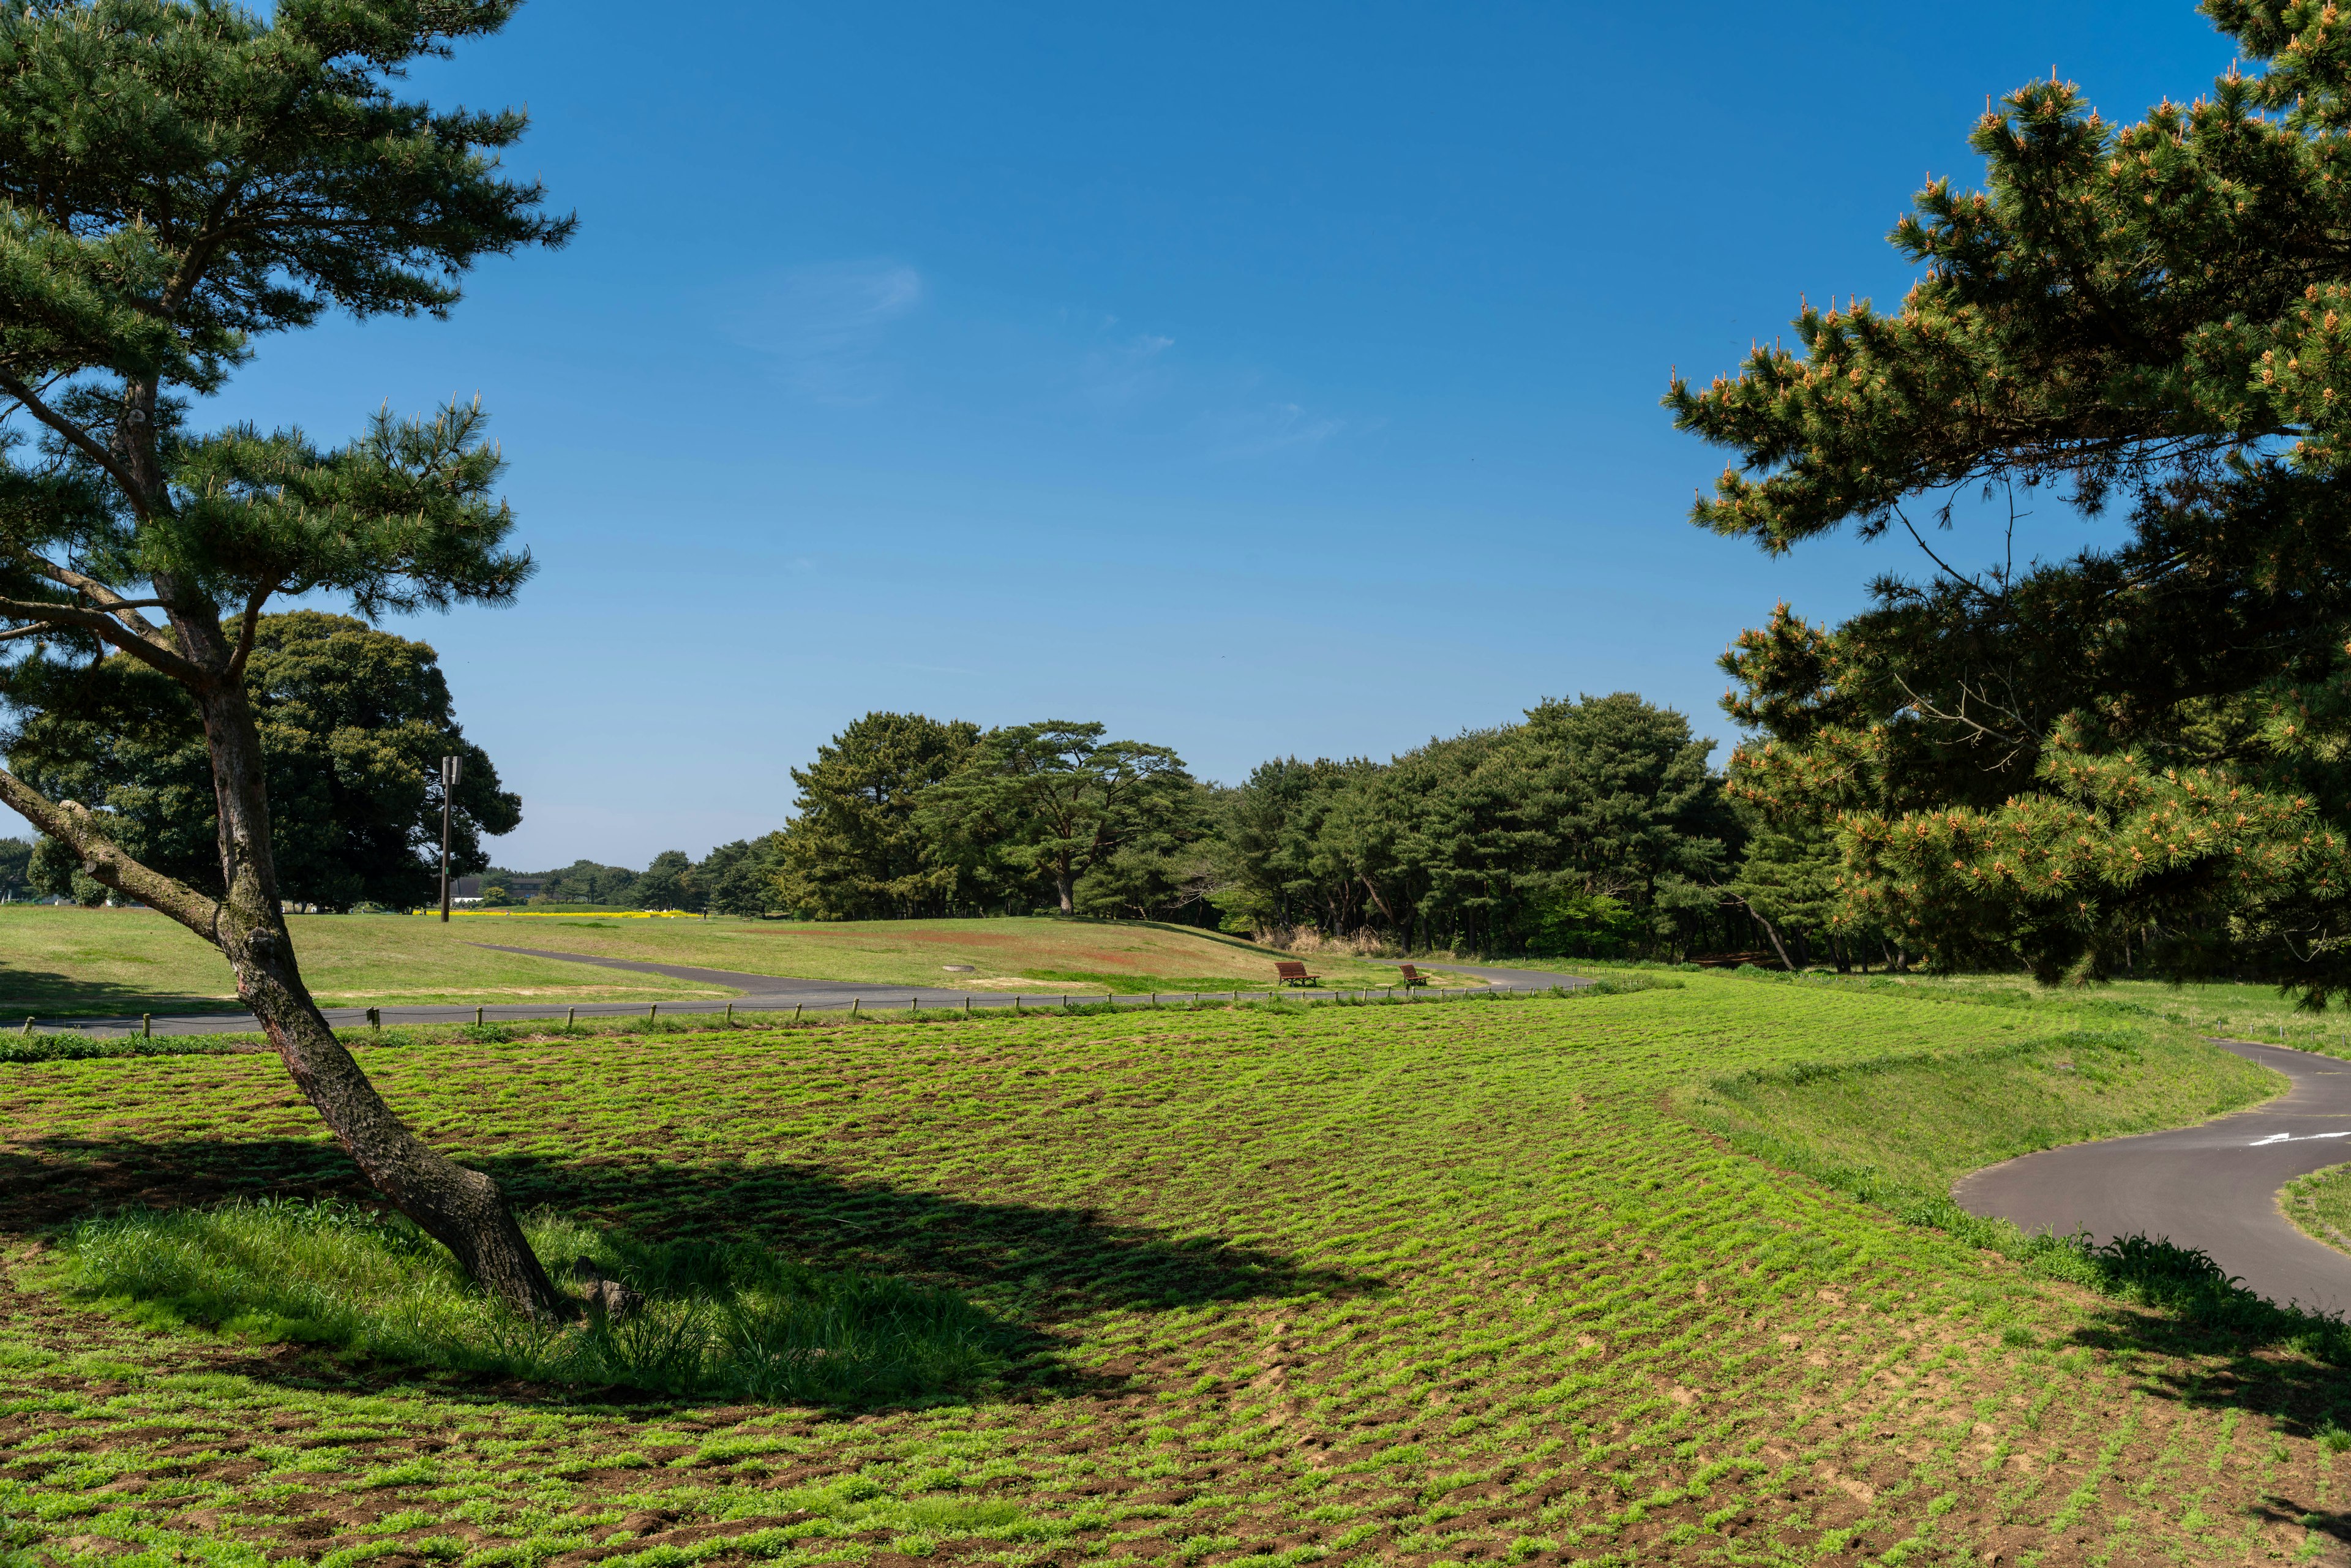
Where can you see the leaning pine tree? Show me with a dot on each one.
(179, 178)
(2142, 748)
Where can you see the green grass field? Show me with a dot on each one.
(1914, 1121)
(2320, 1203)
(1435, 1285)
(60, 962)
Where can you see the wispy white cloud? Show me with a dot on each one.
(1118, 371)
(1269, 428)
(826, 327)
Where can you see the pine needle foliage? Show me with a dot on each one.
(2131, 753)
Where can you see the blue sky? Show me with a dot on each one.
(1255, 379)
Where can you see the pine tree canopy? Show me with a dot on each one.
(2134, 743)
(853, 850)
(178, 179)
(1052, 801)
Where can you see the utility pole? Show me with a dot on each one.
(450, 766)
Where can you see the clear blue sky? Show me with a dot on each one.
(1257, 380)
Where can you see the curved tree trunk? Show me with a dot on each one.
(461, 1208)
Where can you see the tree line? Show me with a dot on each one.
(1593, 828)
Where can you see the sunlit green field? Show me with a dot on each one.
(1436, 1284)
(60, 961)
(1129, 956)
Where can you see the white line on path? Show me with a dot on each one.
(2290, 1138)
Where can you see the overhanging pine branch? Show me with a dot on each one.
(79, 439)
(123, 610)
(76, 826)
(107, 630)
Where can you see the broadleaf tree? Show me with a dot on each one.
(353, 721)
(2134, 746)
(180, 180)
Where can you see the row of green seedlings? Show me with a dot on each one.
(76, 1046)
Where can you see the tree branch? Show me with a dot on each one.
(1955, 575)
(252, 604)
(102, 626)
(114, 604)
(76, 826)
(79, 438)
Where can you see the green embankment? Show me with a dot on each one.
(1913, 1123)
(2320, 1203)
(1451, 1284)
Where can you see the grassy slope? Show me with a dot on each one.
(2320, 1203)
(1438, 1284)
(58, 961)
(62, 961)
(1920, 1121)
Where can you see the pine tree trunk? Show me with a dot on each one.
(1066, 886)
(461, 1208)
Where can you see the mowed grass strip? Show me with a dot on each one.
(1431, 1284)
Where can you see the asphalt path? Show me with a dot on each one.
(2213, 1187)
(771, 993)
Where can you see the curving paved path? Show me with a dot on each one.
(760, 993)
(2213, 1187)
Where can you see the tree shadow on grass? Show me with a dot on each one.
(41, 993)
(1030, 1266)
(2213, 1342)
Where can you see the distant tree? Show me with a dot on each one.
(177, 181)
(586, 882)
(1620, 802)
(740, 878)
(16, 868)
(1593, 825)
(1166, 871)
(854, 849)
(1274, 867)
(1046, 803)
(668, 884)
(1585, 925)
(352, 723)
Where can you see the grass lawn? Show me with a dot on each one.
(1127, 956)
(2320, 1203)
(1914, 1121)
(1432, 1285)
(62, 961)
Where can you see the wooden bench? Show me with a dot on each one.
(1294, 974)
(1412, 977)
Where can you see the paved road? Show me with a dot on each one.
(760, 993)
(2213, 1187)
